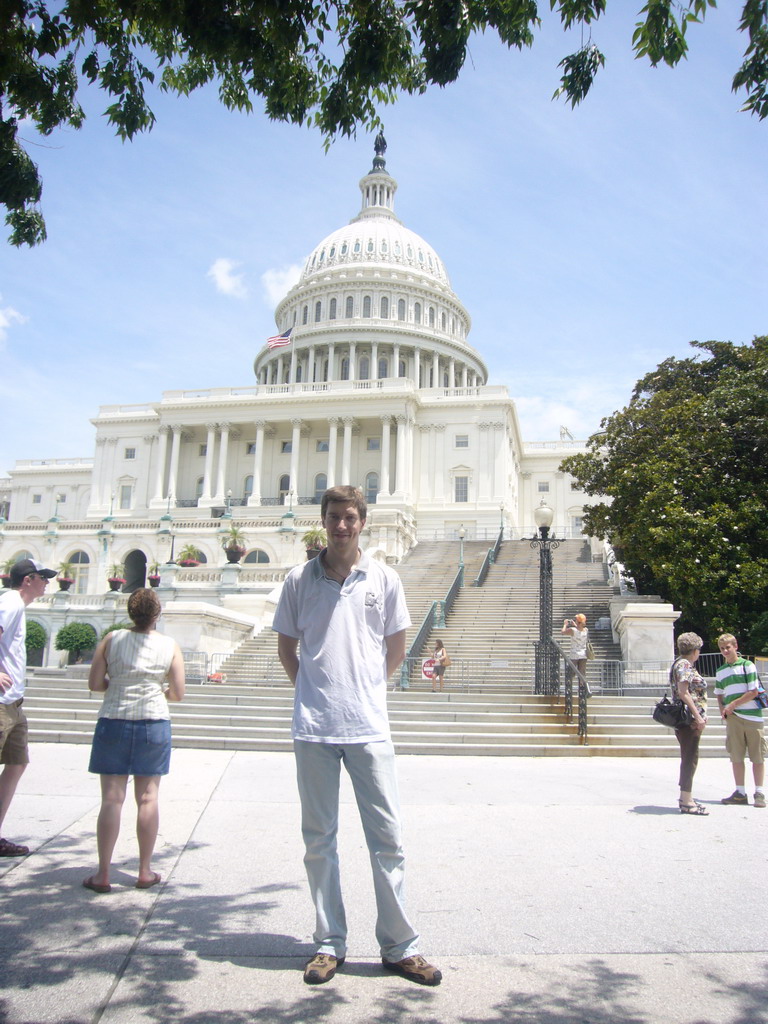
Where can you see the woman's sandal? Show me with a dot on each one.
(693, 808)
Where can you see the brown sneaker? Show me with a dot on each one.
(759, 800)
(417, 969)
(321, 968)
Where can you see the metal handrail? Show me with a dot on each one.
(489, 560)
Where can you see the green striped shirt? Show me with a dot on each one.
(732, 681)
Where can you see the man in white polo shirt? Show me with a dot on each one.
(28, 581)
(348, 614)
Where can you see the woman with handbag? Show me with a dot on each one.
(690, 689)
(442, 661)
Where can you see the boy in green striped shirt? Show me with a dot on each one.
(736, 689)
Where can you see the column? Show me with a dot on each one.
(374, 360)
(258, 455)
(221, 485)
(173, 472)
(352, 360)
(400, 455)
(485, 464)
(465, 376)
(396, 357)
(331, 363)
(311, 365)
(385, 439)
(435, 370)
(293, 480)
(160, 468)
(149, 440)
(439, 485)
(333, 428)
(292, 374)
(425, 458)
(210, 446)
(452, 373)
(280, 369)
(500, 475)
(346, 451)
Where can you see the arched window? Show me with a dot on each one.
(299, 373)
(369, 247)
(383, 368)
(446, 378)
(345, 368)
(325, 370)
(80, 562)
(365, 368)
(385, 308)
(344, 249)
(357, 245)
(199, 487)
(305, 314)
(318, 307)
(442, 321)
(401, 368)
(431, 316)
(401, 309)
(350, 306)
(248, 487)
(371, 488)
(417, 312)
(332, 310)
(258, 556)
(283, 487)
(321, 486)
(367, 306)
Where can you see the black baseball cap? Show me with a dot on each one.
(26, 567)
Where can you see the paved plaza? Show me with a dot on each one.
(550, 891)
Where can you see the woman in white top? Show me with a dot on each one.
(576, 628)
(138, 670)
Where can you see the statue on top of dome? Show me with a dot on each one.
(380, 148)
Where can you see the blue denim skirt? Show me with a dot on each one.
(131, 748)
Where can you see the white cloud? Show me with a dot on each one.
(9, 317)
(223, 275)
(277, 282)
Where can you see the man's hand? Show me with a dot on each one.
(5, 682)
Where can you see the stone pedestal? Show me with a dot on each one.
(645, 629)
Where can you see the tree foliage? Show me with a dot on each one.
(36, 637)
(685, 466)
(76, 637)
(329, 63)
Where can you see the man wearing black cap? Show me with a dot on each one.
(28, 582)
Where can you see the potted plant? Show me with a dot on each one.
(233, 545)
(189, 556)
(5, 575)
(153, 575)
(65, 579)
(115, 578)
(314, 541)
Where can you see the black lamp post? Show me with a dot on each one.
(547, 657)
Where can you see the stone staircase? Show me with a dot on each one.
(60, 709)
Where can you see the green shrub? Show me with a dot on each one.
(76, 637)
(114, 626)
(36, 637)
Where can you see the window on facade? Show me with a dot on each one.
(321, 486)
(462, 440)
(283, 487)
(321, 446)
(202, 450)
(401, 368)
(357, 246)
(384, 246)
(431, 316)
(79, 561)
(373, 444)
(417, 312)
(286, 447)
(350, 306)
(250, 448)
(577, 524)
(305, 314)
(248, 487)
(446, 378)
(37, 499)
(543, 487)
(369, 247)
(397, 249)
(345, 368)
(383, 368)
(299, 374)
(126, 494)
(365, 368)
(256, 556)
(199, 487)
(318, 308)
(367, 306)
(344, 249)
(442, 321)
(332, 310)
(371, 487)
(385, 308)
(461, 488)
(401, 309)
(130, 453)
(61, 498)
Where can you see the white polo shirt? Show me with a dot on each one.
(341, 686)
(13, 648)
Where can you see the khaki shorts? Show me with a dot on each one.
(13, 735)
(744, 738)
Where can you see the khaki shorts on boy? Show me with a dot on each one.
(743, 738)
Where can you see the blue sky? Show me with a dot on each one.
(588, 245)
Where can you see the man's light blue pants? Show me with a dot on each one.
(371, 768)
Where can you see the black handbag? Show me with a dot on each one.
(673, 714)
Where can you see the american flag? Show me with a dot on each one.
(279, 340)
